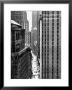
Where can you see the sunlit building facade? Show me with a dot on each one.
(50, 45)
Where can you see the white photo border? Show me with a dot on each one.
(64, 8)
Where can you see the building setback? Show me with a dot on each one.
(50, 45)
(20, 17)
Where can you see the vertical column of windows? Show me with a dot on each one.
(48, 45)
(52, 43)
(57, 42)
(45, 48)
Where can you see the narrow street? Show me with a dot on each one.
(35, 67)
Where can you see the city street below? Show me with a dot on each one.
(35, 67)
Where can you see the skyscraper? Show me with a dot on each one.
(29, 38)
(34, 19)
(38, 33)
(50, 45)
(26, 32)
(19, 16)
(20, 56)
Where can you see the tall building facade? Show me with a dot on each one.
(17, 44)
(26, 33)
(24, 64)
(50, 45)
(29, 39)
(20, 55)
(34, 19)
(38, 33)
(20, 17)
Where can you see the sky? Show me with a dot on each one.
(29, 17)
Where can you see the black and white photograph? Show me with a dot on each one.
(35, 44)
